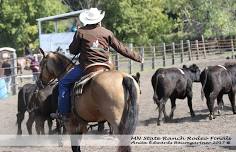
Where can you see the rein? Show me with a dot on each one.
(57, 76)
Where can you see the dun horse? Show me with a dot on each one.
(117, 103)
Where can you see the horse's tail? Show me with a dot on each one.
(204, 84)
(129, 118)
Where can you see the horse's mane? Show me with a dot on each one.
(63, 56)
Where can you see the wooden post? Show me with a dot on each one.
(173, 53)
(117, 58)
(217, 45)
(189, 50)
(164, 54)
(142, 55)
(130, 61)
(196, 42)
(182, 51)
(232, 47)
(204, 47)
(153, 57)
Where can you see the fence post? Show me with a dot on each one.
(14, 82)
(164, 54)
(153, 57)
(196, 42)
(217, 45)
(182, 51)
(142, 55)
(204, 47)
(173, 53)
(232, 47)
(189, 50)
(130, 61)
(117, 58)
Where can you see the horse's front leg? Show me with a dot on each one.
(76, 129)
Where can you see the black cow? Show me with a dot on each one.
(174, 83)
(30, 96)
(43, 103)
(217, 81)
(24, 97)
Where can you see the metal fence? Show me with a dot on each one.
(20, 75)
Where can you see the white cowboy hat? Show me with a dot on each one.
(91, 16)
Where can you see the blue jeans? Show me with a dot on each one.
(65, 84)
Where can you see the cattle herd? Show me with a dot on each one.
(167, 83)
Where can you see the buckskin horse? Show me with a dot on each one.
(110, 96)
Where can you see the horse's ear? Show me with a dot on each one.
(42, 52)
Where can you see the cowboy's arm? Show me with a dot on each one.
(120, 48)
(74, 46)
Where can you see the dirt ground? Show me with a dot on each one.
(182, 123)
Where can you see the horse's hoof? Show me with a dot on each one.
(234, 112)
(158, 123)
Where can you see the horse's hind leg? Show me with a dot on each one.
(30, 122)
(232, 101)
(20, 117)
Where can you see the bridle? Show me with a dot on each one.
(56, 76)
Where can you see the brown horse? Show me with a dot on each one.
(117, 103)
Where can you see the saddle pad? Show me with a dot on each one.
(79, 85)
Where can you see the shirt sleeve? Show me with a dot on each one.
(120, 48)
(75, 44)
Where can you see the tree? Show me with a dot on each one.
(18, 26)
(81, 4)
(139, 22)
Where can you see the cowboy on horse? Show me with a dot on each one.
(92, 42)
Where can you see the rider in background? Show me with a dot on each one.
(34, 66)
(92, 42)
